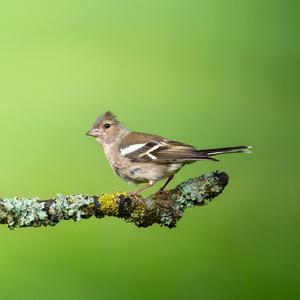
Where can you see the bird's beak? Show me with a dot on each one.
(93, 132)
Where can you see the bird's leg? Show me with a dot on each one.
(148, 185)
(166, 183)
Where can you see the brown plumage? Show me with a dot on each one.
(167, 152)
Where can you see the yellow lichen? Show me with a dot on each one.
(118, 194)
(138, 212)
(109, 203)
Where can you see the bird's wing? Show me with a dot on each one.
(140, 147)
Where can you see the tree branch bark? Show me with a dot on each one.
(164, 208)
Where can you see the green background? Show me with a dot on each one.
(209, 73)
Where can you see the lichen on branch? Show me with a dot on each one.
(163, 208)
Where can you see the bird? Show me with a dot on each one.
(147, 158)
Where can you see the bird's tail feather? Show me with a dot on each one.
(217, 151)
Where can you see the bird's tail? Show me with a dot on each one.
(217, 151)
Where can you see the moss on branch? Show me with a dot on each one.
(163, 208)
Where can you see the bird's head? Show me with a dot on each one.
(107, 129)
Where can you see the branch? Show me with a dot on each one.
(163, 208)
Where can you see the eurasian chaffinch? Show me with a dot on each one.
(146, 158)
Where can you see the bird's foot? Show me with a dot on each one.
(133, 194)
(161, 191)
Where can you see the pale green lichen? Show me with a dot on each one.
(197, 191)
(70, 206)
(23, 212)
(166, 219)
(33, 212)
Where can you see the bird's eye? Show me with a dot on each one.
(106, 125)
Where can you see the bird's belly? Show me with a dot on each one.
(147, 172)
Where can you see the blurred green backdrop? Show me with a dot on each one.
(210, 73)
